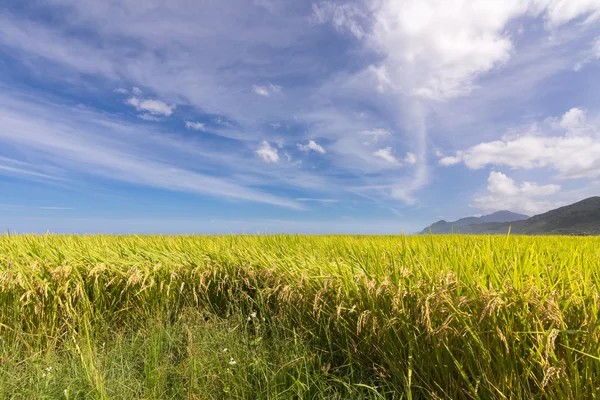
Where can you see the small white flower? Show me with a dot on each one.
(232, 361)
(249, 319)
(253, 315)
(44, 375)
(225, 350)
(65, 392)
(49, 369)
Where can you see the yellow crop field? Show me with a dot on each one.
(299, 317)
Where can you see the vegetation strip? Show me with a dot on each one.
(299, 317)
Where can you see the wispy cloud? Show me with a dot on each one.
(322, 201)
(77, 141)
(386, 155)
(267, 90)
(197, 126)
(311, 146)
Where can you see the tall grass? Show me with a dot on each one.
(389, 317)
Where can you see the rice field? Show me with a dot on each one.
(299, 317)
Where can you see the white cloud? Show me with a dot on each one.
(312, 145)
(437, 49)
(262, 90)
(267, 153)
(386, 154)
(576, 154)
(197, 126)
(266, 90)
(344, 17)
(136, 91)
(382, 77)
(504, 194)
(155, 107)
(410, 158)
(149, 117)
(133, 102)
(574, 120)
(559, 12)
(121, 91)
(447, 161)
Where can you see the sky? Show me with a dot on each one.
(246, 116)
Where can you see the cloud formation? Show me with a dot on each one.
(376, 81)
(503, 193)
(154, 107)
(197, 126)
(267, 90)
(386, 155)
(312, 145)
(575, 154)
(267, 153)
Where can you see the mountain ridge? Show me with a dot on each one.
(443, 226)
(580, 218)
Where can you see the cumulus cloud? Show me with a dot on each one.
(312, 145)
(266, 90)
(267, 153)
(503, 193)
(437, 49)
(197, 126)
(574, 121)
(155, 107)
(121, 91)
(136, 91)
(386, 154)
(450, 160)
(576, 154)
(410, 158)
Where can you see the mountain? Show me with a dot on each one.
(465, 225)
(581, 218)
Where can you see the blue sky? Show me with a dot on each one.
(374, 116)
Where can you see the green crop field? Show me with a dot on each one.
(299, 317)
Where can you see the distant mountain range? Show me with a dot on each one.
(581, 218)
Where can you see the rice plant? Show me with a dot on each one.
(300, 317)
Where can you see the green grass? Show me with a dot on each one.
(481, 317)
